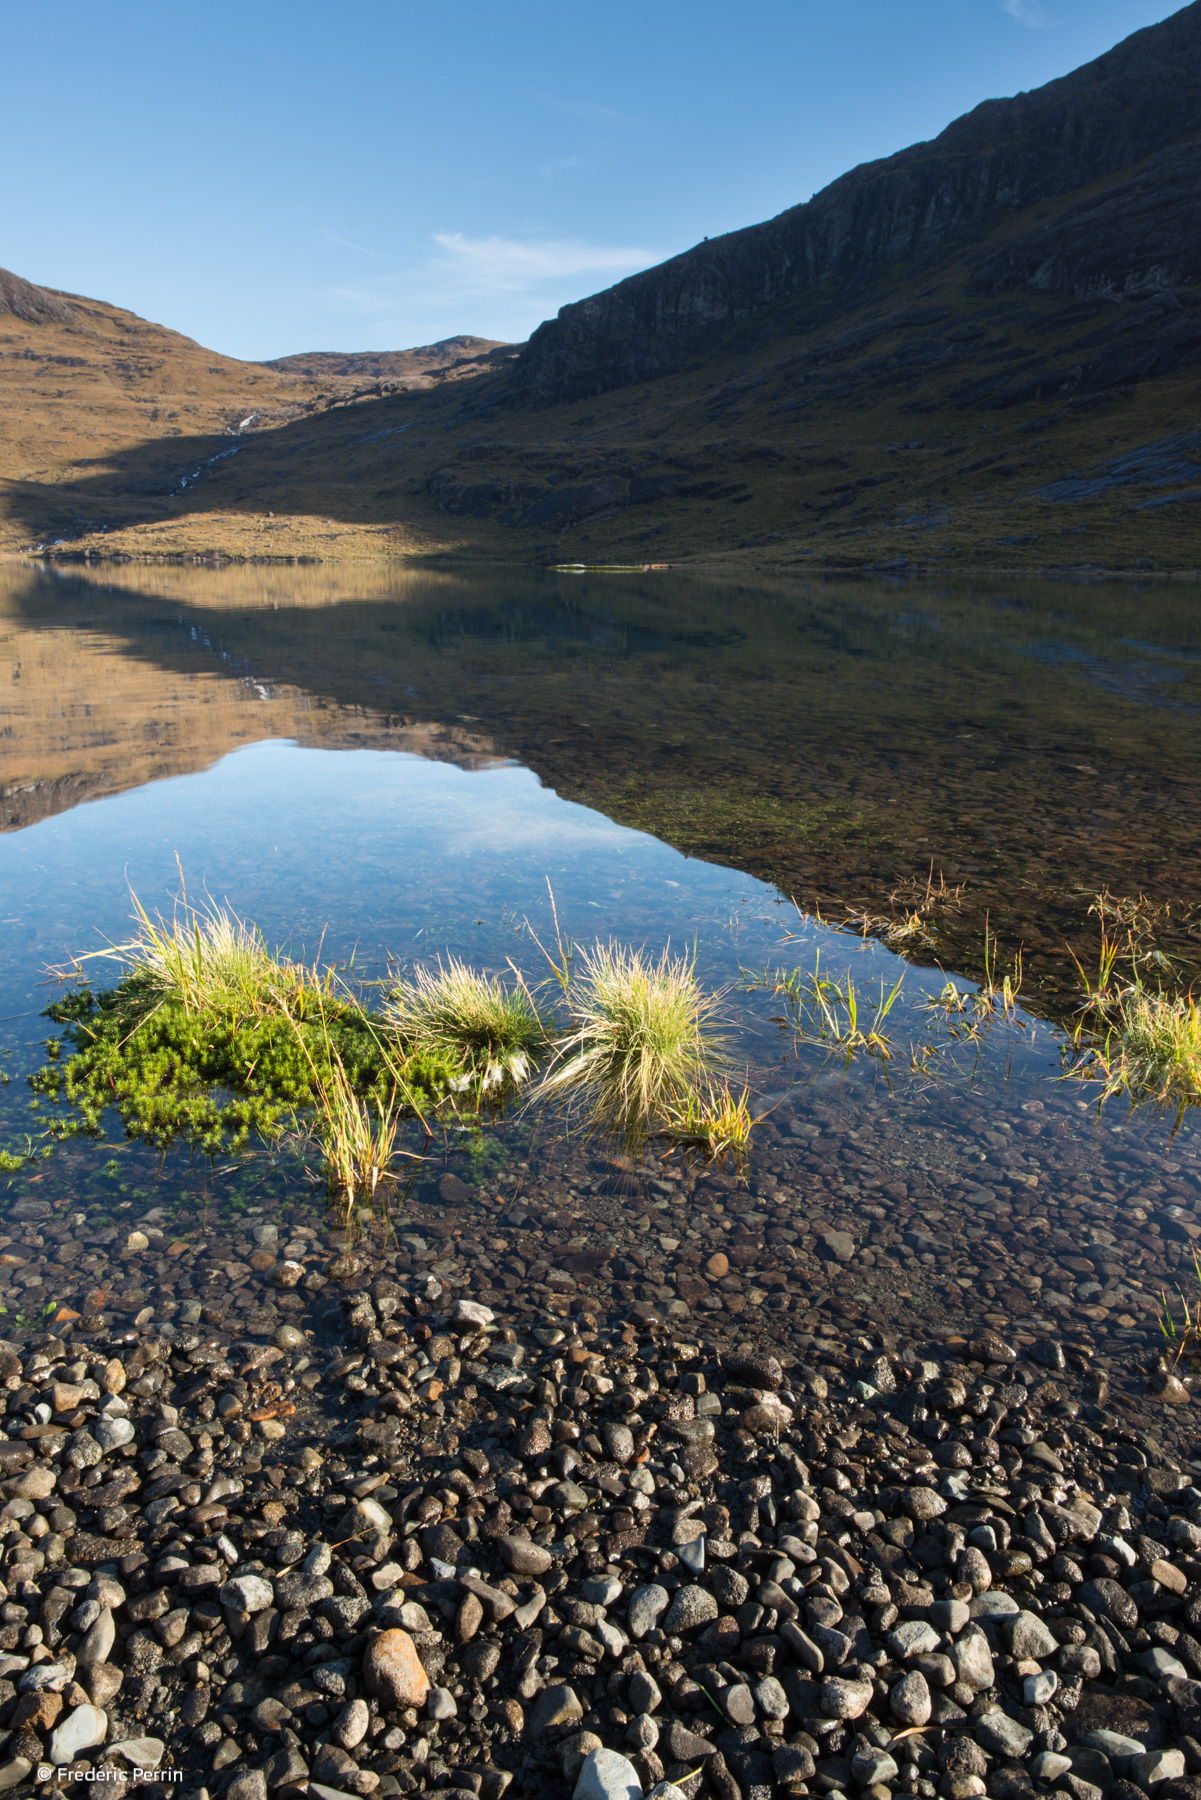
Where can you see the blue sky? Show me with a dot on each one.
(270, 178)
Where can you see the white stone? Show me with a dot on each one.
(386, 1577)
(248, 1594)
(1161, 1663)
(643, 1732)
(49, 1677)
(914, 1638)
(350, 1726)
(606, 1775)
(112, 1434)
(1157, 1765)
(973, 1660)
(870, 1766)
(693, 1555)
(81, 1730)
(1038, 1689)
(1050, 1766)
(142, 1752)
(843, 1699)
(98, 1642)
(611, 1636)
(602, 1590)
(770, 1698)
(440, 1703)
(470, 1312)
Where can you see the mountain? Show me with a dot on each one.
(396, 365)
(981, 352)
(1136, 109)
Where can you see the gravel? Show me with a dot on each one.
(472, 1557)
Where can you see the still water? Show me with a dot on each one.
(389, 768)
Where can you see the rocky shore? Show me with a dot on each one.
(412, 1549)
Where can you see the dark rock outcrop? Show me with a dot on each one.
(35, 305)
(1138, 101)
(1142, 235)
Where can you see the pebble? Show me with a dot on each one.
(690, 1607)
(647, 1606)
(788, 1548)
(248, 1594)
(909, 1700)
(142, 1752)
(393, 1670)
(558, 1705)
(523, 1557)
(440, 1703)
(80, 1730)
(607, 1775)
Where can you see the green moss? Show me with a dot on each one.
(215, 1081)
(707, 820)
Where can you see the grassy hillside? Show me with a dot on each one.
(926, 423)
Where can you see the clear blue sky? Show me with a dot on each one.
(271, 178)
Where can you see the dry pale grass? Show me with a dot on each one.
(641, 1040)
(494, 1028)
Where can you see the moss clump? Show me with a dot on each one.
(216, 1079)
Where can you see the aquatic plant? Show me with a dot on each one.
(1182, 1337)
(357, 1136)
(824, 1011)
(715, 1122)
(994, 992)
(205, 958)
(1146, 1045)
(214, 1084)
(495, 1029)
(1135, 1040)
(640, 1042)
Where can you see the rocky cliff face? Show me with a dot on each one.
(1141, 100)
(33, 305)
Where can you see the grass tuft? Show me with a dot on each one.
(494, 1029)
(1136, 1040)
(206, 960)
(714, 1122)
(640, 1043)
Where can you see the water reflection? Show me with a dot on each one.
(402, 771)
(841, 740)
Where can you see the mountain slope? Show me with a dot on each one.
(393, 365)
(984, 351)
(1136, 101)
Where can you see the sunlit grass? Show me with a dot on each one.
(494, 1028)
(832, 1013)
(715, 1121)
(641, 1039)
(1144, 1045)
(1136, 1040)
(357, 1136)
(208, 960)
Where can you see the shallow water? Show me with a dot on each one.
(398, 773)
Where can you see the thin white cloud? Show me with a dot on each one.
(597, 115)
(1029, 13)
(495, 286)
(504, 265)
(347, 244)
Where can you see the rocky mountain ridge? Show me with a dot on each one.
(1141, 100)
